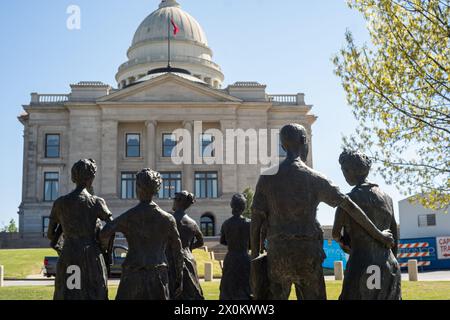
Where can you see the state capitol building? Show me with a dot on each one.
(130, 125)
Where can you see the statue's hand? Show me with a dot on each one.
(388, 239)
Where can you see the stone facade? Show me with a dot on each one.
(93, 121)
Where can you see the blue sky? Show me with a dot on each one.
(287, 45)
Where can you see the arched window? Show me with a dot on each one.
(208, 225)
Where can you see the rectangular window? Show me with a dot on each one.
(51, 186)
(431, 220)
(207, 145)
(133, 145)
(206, 185)
(128, 185)
(427, 220)
(45, 223)
(169, 144)
(52, 146)
(171, 185)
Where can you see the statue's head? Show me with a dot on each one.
(183, 200)
(148, 183)
(238, 204)
(294, 141)
(83, 173)
(355, 166)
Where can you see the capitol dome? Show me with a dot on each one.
(189, 47)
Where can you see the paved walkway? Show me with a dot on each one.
(40, 281)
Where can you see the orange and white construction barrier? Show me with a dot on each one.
(413, 255)
(413, 245)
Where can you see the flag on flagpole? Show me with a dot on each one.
(176, 29)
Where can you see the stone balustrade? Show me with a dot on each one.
(49, 98)
(279, 99)
(288, 99)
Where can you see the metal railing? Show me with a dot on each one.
(175, 59)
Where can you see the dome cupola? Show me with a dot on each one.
(188, 48)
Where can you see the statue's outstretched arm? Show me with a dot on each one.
(103, 213)
(338, 224)
(339, 229)
(361, 218)
(109, 230)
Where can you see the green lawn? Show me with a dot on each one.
(21, 263)
(201, 257)
(411, 291)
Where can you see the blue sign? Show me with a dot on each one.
(334, 253)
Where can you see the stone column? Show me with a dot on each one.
(32, 193)
(151, 144)
(188, 169)
(25, 163)
(109, 174)
(229, 170)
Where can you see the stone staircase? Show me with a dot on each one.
(215, 249)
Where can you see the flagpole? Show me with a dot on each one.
(168, 37)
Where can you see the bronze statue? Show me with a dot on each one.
(81, 260)
(235, 233)
(57, 242)
(191, 239)
(364, 251)
(150, 232)
(287, 200)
